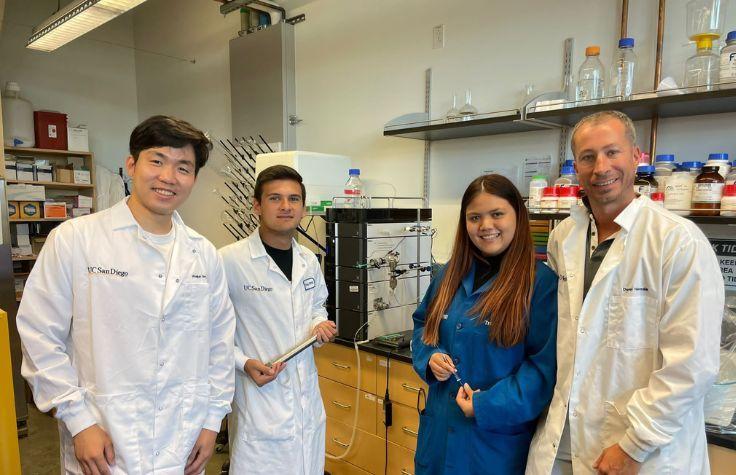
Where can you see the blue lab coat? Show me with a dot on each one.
(515, 384)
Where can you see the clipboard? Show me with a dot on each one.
(294, 351)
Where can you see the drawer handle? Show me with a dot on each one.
(344, 446)
(340, 366)
(341, 405)
(404, 472)
(410, 388)
(409, 431)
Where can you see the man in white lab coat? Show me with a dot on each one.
(640, 305)
(126, 324)
(278, 292)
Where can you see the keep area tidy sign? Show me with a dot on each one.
(725, 250)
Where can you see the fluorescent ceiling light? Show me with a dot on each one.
(76, 19)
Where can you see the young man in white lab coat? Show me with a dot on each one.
(640, 305)
(126, 324)
(278, 291)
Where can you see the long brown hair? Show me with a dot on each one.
(505, 305)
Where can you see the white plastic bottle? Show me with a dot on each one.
(728, 62)
(567, 177)
(17, 118)
(621, 83)
(536, 186)
(664, 165)
(591, 82)
(678, 191)
(353, 189)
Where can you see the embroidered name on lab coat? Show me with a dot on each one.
(199, 277)
(634, 290)
(111, 271)
(257, 288)
(309, 283)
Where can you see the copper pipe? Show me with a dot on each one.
(624, 17)
(657, 77)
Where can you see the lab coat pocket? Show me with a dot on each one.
(495, 452)
(428, 441)
(269, 412)
(123, 417)
(195, 305)
(194, 409)
(632, 322)
(615, 423)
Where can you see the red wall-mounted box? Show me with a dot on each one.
(50, 128)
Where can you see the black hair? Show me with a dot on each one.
(277, 172)
(166, 131)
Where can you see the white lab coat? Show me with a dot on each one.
(280, 427)
(635, 359)
(103, 343)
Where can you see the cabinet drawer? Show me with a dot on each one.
(339, 401)
(404, 384)
(405, 427)
(339, 467)
(338, 363)
(400, 460)
(367, 452)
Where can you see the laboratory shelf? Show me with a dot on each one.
(645, 106)
(695, 219)
(37, 220)
(24, 258)
(493, 123)
(45, 151)
(53, 184)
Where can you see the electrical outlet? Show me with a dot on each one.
(438, 37)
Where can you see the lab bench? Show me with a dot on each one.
(337, 368)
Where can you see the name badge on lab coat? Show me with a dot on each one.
(308, 283)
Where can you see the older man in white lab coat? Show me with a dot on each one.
(126, 325)
(640, 304)
(278, 291)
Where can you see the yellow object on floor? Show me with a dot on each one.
(9, 455)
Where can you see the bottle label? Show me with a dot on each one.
(728, 66)
(645, 190)
(677, 195)
(352, 192)
(535, 196)
(707, 192)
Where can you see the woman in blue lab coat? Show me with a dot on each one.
(484, 340)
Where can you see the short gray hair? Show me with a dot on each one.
(599, 117)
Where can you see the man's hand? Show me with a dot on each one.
(260, 373)
(201, 453)
(94, 451)
(464, 399)
(325, 331)
(614, 461)
(441, 366)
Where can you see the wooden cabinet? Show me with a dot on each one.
(337, 367)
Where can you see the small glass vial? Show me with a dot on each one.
(707, 192)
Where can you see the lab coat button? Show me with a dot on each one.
(456, 360)
(160, 408)
(160, 276)
(177, 281)
(459, 326)
(161, 364)
(157, 453)
(574, 413)
(582, 330)
(194, 251)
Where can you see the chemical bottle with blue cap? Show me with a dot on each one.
(728, 62)
(719, 160)
(645, 183)
(567, 177)
(664, 165)
(678, 191)
(621, 83)
(353, 189)
(694, 168)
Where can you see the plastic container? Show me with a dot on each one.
(549, 200)
(17, 118)
(567, 177)
(719, 160)
(536, 186)
(353, 189)
(50, 130)
(645, 183)
(707, 192)
(694, 168)
(731, 177)
(702, 70)
(664, 165)
(728, 201)
(679, 191)
(591, 82)
(728, 62)
(658, 198)
(566, 197)
(621, 81)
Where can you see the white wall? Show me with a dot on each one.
(90, 80)
(197, 92)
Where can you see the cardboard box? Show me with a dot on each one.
(11, 171)
(30, 210)
(82, 201)
(50, 130)
(78, 139)
(13, 210)
(54, 209)
(25, 171)
(64, 175)
(82, 177)
(44, 173)
(26, 192)
(80, 212)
